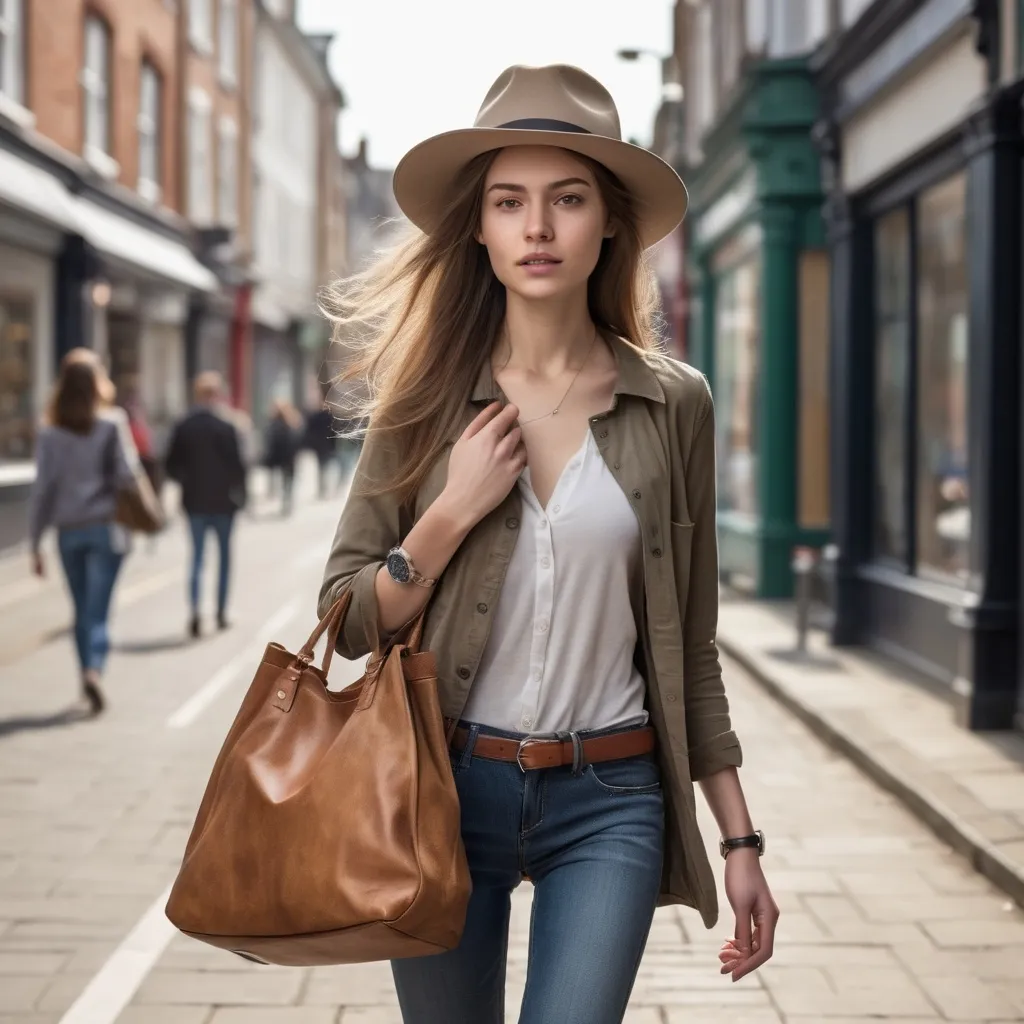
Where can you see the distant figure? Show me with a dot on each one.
(320, 439)
(204, 456)
(280, 446)
(84, 456)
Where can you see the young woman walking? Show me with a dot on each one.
(541, 475)
(84, 456)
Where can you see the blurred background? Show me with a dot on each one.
(179, 178)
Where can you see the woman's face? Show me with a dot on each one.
(543, 220)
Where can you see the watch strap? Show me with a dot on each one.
(755, 840)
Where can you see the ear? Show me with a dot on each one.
(609, 230)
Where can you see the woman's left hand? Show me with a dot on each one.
(756, 915)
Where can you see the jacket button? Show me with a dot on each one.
(511, 522)
(636, 494)
(671, 697)
(604, 433)
(656, 552)
(463, 672)
(615, 465)
(481, 608)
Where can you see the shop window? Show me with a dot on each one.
(16, 419)
(921, 493)
(892, 362)
(943, 513)
(737, 354)
(12, 83)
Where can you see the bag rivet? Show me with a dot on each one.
(281, 694)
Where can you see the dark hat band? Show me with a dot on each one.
(545, 124)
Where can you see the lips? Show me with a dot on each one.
(538, 259)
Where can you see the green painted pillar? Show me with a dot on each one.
(778, 398)
(704, 326)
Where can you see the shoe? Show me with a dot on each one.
(222, 621)
(194, 627)
(93, 694)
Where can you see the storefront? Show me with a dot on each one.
(759, 327)
(924, 220)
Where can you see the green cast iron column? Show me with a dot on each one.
(704, 351)
(778, 398)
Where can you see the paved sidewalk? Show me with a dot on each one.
(968, 787)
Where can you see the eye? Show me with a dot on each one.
(570, 199)
(501, 203)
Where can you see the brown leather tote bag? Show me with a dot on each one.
(329, 831)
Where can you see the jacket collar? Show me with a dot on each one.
(636, 376)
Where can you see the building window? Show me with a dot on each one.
(148, 125)
(892, 367)
(200, 25)
(737, 358)
(922, 509)
(16, 351)
(943, 512)
(227, 42)
(12, 71)
(227, 172)
(96, 86)
(200, 157)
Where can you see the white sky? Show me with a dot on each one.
(411, 69)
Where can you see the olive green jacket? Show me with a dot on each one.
(658, 440)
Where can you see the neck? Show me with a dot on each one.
(545, 338)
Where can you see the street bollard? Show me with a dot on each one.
(803, 566)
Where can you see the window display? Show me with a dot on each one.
(17, 428)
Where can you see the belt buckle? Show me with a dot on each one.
(525, 742)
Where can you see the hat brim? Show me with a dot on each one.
(424, 177)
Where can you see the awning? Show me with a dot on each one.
(27, 187)
(139, 247)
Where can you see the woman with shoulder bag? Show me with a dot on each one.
(545, 479)
(85, 457)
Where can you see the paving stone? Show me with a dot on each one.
(965, 998)
(976, 933)
(31, 963)
(269, 986)
(21, 993)
(278, 1015)
(866, 992)
(165, 1015)
(370, 1015)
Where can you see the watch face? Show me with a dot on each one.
(398, 567)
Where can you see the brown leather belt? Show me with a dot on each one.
(545, 752)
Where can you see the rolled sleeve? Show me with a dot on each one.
(712, 744)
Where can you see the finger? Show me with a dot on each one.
(743, 926)
(508, 445)
(505, 419)
(482, 419)
(767, 943)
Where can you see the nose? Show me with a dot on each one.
(538, 223)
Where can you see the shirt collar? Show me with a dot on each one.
(636, 376)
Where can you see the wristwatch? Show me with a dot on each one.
(401, 569)
(755, 840)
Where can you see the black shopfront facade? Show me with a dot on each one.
(922, 150)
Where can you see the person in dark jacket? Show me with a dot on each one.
(280, 447)
(205, 458)
(321, 441)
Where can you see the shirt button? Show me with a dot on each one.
(481, 608)
(545, 562)
(537, 674)
(511, 522)
(463, 672)
(557, 508)
(527, 722)
(543, 522)
(542, 626)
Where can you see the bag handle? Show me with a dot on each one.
(331, 623)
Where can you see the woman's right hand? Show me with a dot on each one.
(485, 462)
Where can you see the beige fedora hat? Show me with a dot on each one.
(554, 105)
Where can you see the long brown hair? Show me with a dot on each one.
(416, 326)
(82, 389)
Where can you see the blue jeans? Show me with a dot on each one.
(592, 845)
(92, 557)
(221, 524)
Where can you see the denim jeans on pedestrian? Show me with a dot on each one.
(221, 524)
(592, 845)
(92, 557)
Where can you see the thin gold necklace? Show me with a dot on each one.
(554, 412)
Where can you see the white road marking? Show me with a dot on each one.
(111, 990)
(226, 674)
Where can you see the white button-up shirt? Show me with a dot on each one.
(561, 646)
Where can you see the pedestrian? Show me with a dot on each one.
(540, 470)
(280, 447)
(84, 456)
(321, 441)
(204, 456)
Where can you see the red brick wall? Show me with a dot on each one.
(139, 28)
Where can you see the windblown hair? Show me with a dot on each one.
(415, 327)
(82, 389)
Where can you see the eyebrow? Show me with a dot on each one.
(505, 187)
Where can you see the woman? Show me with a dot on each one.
(545, 479)
(281, 445)
(84, 456)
